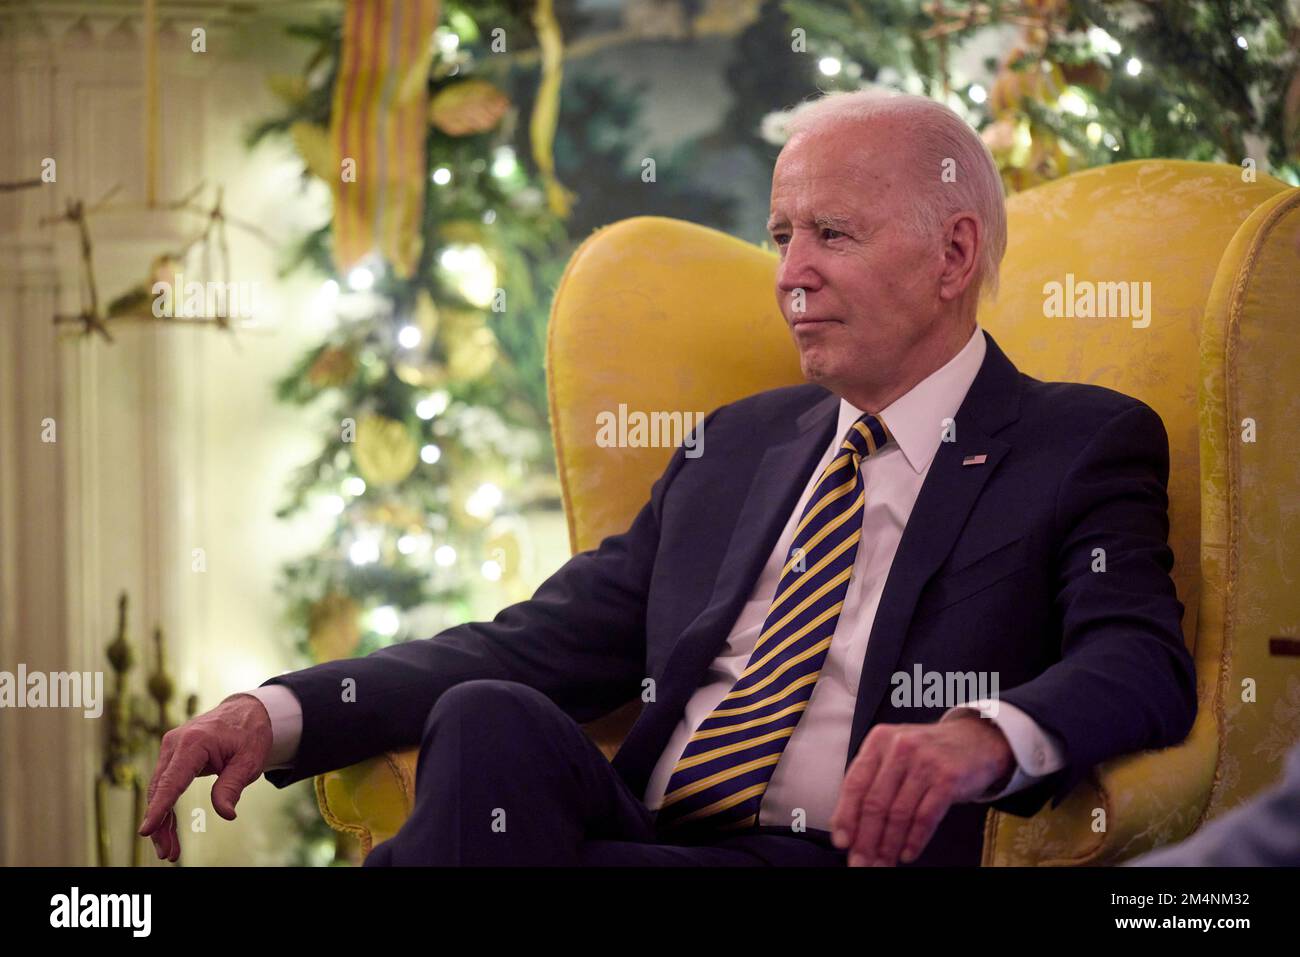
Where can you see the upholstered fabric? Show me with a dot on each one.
(1251, 490)
(369, 800)
(1167, 223)
(659, 314)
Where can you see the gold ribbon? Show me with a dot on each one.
(546, 111)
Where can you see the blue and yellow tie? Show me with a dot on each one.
(719, 781)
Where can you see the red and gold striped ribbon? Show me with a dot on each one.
(379, 120)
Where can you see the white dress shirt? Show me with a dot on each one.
(811, 769)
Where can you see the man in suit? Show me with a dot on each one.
(920, 584)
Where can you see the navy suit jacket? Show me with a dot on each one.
(993, 573)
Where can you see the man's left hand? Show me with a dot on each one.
(904, 779)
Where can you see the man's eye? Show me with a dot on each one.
(780, 239)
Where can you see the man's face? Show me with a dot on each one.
(839, 217)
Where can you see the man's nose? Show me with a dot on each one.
(796, 269)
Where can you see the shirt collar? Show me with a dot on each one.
(915, 419)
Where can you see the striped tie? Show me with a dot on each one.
(719, 781)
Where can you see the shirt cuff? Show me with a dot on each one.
(285, 712)
(1037, 752)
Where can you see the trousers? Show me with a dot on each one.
(507, 778)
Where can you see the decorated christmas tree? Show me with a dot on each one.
(430, 380)
(1060, 85)
(431, 383)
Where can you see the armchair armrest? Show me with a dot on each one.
(1148, 799)
(369, 800)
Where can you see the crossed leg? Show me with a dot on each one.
(505, 777)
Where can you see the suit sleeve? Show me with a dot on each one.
(580, 640)
(1125, 681)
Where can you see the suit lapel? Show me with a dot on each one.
(945, 501)
(774, 491)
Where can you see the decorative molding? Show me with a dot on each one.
(34, 621)
(209, 11)
(61, 560)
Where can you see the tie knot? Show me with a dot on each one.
(867, 436)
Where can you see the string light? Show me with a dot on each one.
(503, 162)
(473, 271)
(1133, 67)
(323, 303)
(412, 543)
(977, 93)
(483, 501)
(1072, 102)
(448, 42)
(408, 337)
(364, 551)
(445, 555)
(430, 454)
(829, 65)
(384, 620)
(361, 279)
(354, 485)
(1101, 40)
(491, 570)
(433, 404)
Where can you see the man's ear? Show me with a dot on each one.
(963, 239)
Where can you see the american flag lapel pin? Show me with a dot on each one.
(974, 460)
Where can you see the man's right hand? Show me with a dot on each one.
(231, 741)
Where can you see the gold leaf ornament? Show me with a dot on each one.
(469, 107)
(385, 452)
(334, 628)
(394, 515)
(468, 231)
(426, 315)
(333, 367)
(313, 144)
(472, 348)
(292, 88)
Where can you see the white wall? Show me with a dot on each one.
(168, 439)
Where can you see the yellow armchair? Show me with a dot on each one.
(659, 313)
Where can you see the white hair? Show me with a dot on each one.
(940, 139)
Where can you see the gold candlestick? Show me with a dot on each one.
(129, 733)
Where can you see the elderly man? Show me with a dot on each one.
(793, 607)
